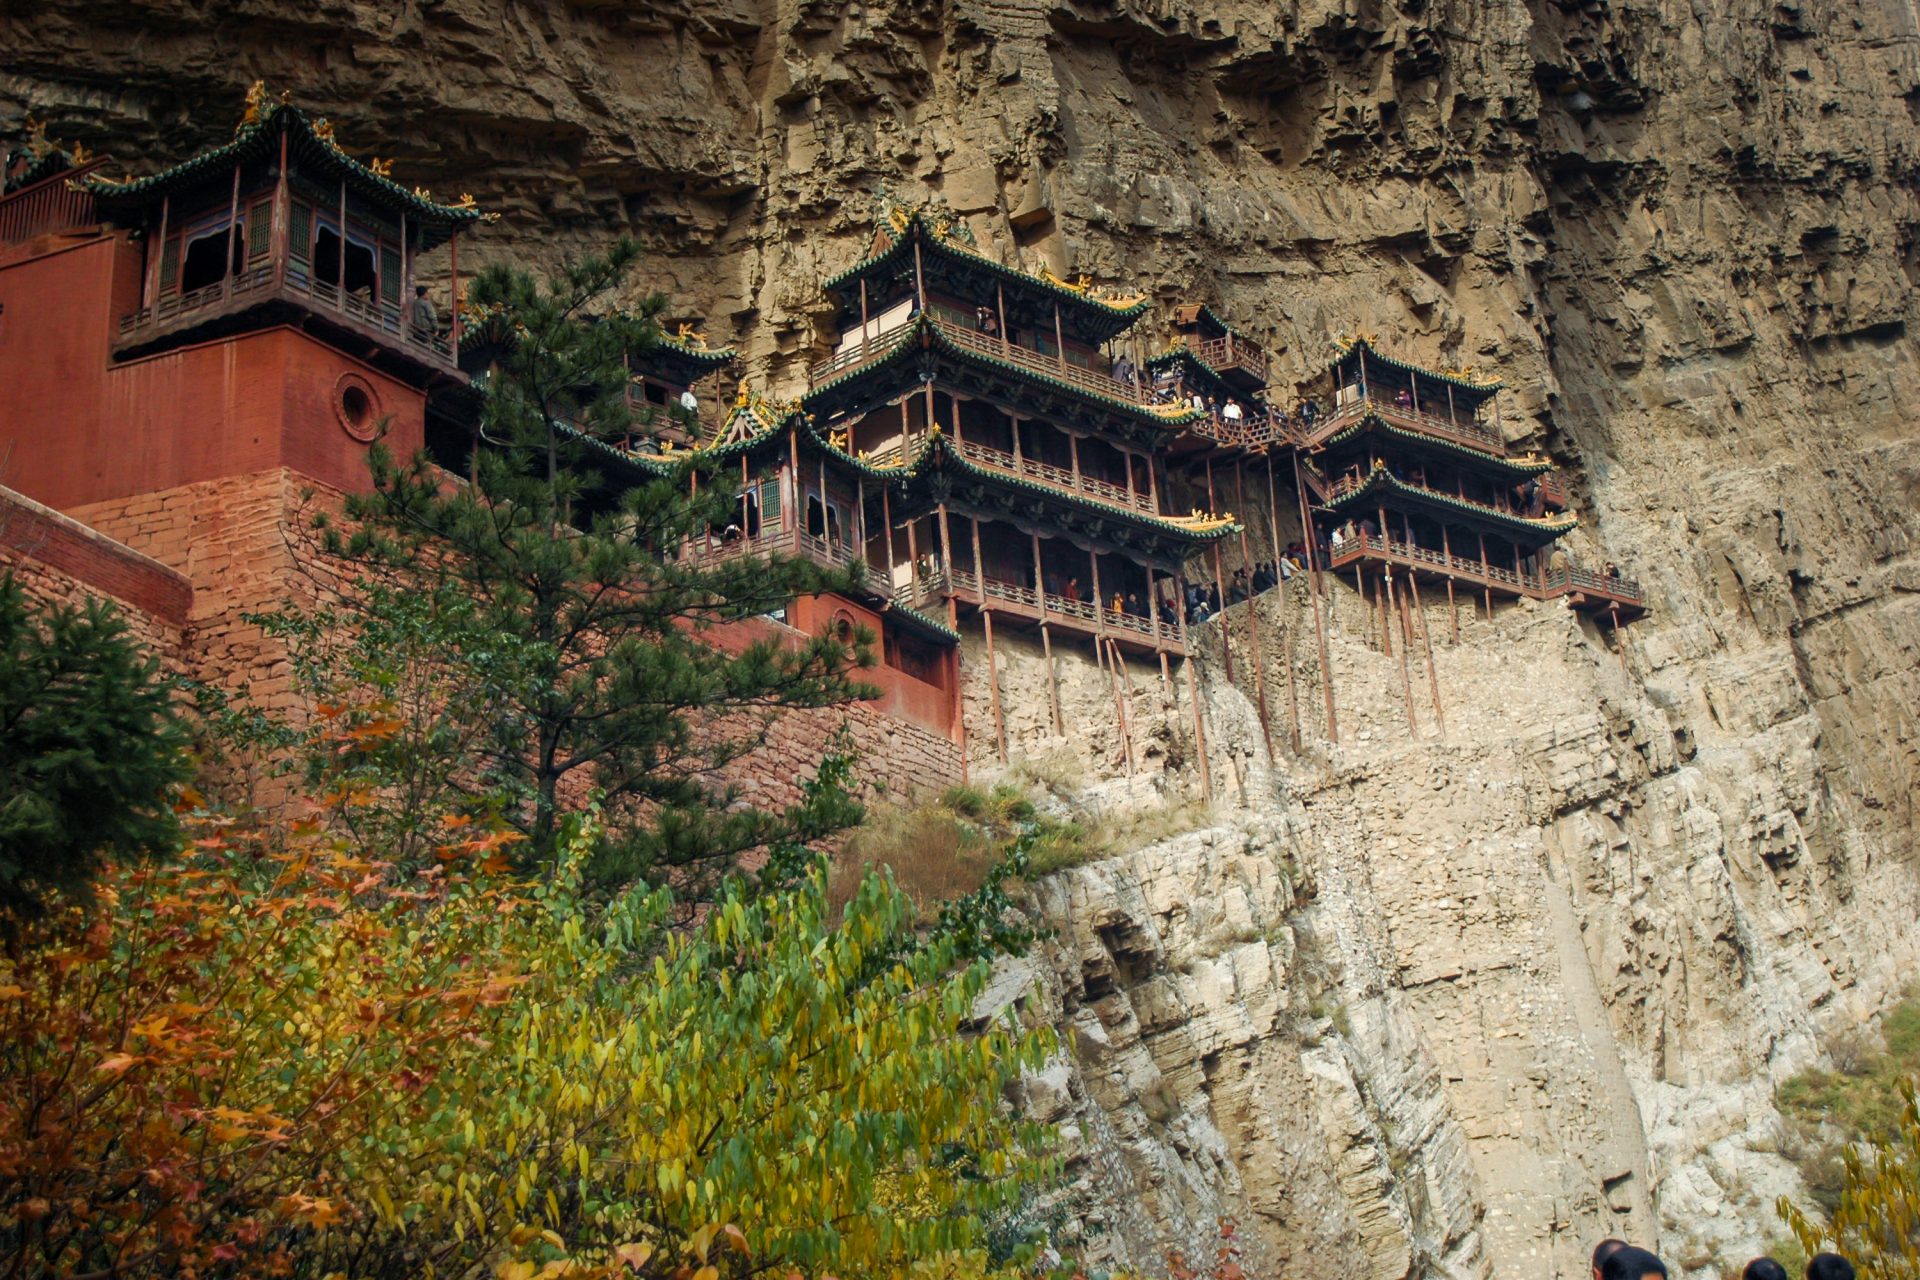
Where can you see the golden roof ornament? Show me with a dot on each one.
(38, 145)
(686, 336)
(380, 168)
(257, 105)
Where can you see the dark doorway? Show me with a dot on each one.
(204, 256)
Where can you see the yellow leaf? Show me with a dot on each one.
(635, 1255)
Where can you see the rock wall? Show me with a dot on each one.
(1451, 1004)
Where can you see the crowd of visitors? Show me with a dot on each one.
(1618, 1260)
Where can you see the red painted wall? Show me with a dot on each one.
(931, 706)
(81, 428)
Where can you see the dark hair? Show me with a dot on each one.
(419, 290)
(1632, 1264)
(1829, 1266)
(1606, 1249)
(1764, 1269)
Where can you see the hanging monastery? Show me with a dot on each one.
(187, 355)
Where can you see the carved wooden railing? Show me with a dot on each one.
(385, 321)
(46, 206)
(1054, 476)
(1228, 353)
(934, 585)
(1470, 434)
(1546, 586)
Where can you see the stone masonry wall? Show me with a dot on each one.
(60, 561)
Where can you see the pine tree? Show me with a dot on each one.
(619, 687)
(91, 751)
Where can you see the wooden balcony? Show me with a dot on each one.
(1045, 473)
(1224, 355)
(48, 206)
(1583, 588)
(1457, 431)
(1018, 600)
(262, 285)
(1090, 380)
(794, 544)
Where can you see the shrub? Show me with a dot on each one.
(277, 1058)
(91, 752)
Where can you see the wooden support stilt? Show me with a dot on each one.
(1114, 676)
(1312, 541)
(1199, 727)
(1382, 599)
(1053, 680)
(1406, 673)
(1255, 654)
(993, 686)
(1166, 676)
(1453, 610)
(1426, 642)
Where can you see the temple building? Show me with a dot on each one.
(1410, 475)
(976, 452)
(241, 310)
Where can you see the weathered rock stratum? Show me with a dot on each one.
(1427, 1003)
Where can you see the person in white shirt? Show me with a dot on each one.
(690, 402)
(1232, 412)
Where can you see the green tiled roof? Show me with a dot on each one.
(900, 237)
(257, 140)
(704, 357)
(906, 341)
(939, 630)
(1374, 356)
(1380, 480)
(1371, 420)
(1184, 354)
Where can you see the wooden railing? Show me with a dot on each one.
(46, 206)
(932, 586)
(1057, 477)
(1544, 586)
(874, 348)
(793, 543)
(1350, 484)
(1229, 353)
(1470, 434)
(382, 320)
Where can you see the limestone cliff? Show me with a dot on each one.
(1458, 1001)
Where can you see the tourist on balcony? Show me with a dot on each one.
(1213, 598)
(1123, 369)
(1559, 562)
(1262, 577)
(1404, 398)
(1134, 608)
(1072, 590)
(1613, 573)
(1232, 412)
(1309, 413)
(983, 320)
(423, 322)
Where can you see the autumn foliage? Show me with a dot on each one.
(274, 1057)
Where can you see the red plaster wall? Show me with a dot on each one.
(929, 706)
(81, 429)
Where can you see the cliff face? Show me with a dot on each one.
(1429, 1004)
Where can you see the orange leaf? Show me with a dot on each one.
(117, 1064)
(634, 1255)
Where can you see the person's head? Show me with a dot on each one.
(1829, 1266)
(1630, 1263)
(419, 291)
(1763, 1269)
(1604, 1250)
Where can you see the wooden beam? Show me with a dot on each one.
(1256, 655)
(1312, 542)
(1426, 642)
(1406, 674)
(993, 685)
(1053, 682)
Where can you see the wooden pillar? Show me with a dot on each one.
(1127, 459)
(159, 248)
(1219, 579)
(1273, 514)
(1414, 379)
(340, 265)
(1014, 418)
(1073, 454)
(886, 518)
(1153, 483)
(1153, 607)
(1450, 416)
(1099, 600)
(919, 277)
(282, 230)
(1117, 673)
(993, 685)
(1406, 674)
(865, 336)
(1000, 302)
(1059, 342)
(1363, 374)
(1426, 643)
(795, 501)
(1312, 541)
(860, 515)
(453, 271)
(1257, 658)
(946, 548)
(1382, 603)
(1453, 610)
(913, 557)
(980, 567)
(906, 434)
(1486, 579)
